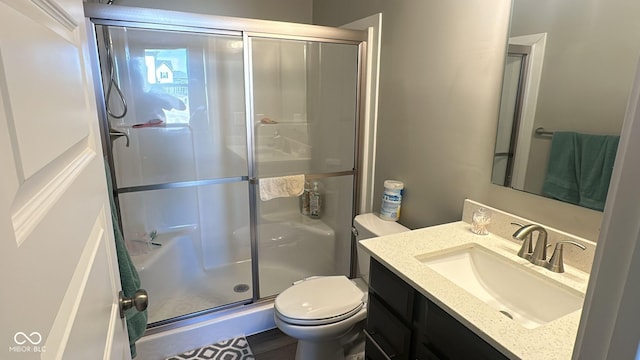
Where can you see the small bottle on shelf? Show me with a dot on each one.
(315, 202)
(304, 199)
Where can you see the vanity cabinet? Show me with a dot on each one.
(389, 315)
(403, 324)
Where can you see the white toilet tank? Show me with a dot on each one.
(369, 226)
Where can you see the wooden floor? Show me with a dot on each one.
(272, 345)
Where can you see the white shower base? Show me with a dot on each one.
(178, 284)
(215, 288)
(211, 289)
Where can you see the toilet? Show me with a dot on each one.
(324, 312)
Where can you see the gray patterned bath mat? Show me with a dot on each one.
(232, 349)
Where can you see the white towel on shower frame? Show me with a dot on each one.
(282, 186)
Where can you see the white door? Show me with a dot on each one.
(59, 275)
(610, 322)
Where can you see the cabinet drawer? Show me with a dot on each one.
(391, 335)
(441, 336)
(373, 350)
(396, 293)
(423, 353)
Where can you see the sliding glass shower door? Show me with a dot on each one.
(182, 171)
(198, 113)
(305, 110)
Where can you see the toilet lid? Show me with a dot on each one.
(319, 300)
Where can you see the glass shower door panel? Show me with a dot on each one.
(304, 101)
(304, 105)
(190, 246)
(292, 246)
(183, 178)
(185, 116)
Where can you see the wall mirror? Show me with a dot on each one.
(569, 68)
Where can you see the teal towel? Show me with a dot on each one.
(580, 167)
(561, 181)
(136, 321)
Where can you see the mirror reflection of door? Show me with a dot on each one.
(513, 87)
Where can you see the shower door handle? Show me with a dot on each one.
(114, 134)
(140, 300)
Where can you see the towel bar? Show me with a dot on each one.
(542, 132)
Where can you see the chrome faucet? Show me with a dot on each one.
(539, 254)
(527, 248)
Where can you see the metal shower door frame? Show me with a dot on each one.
(154, 19)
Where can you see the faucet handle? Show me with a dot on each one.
(527, 247)
(556, 263)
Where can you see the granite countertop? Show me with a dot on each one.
(553, 340)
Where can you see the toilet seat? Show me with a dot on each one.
(319, 301)
(324, 321)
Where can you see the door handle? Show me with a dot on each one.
(140, 300)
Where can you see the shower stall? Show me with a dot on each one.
(197, 109)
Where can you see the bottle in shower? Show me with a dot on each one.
(304, 199)
(315, 202)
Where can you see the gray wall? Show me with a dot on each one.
(441, 72)
(590, 60)
(280, 10)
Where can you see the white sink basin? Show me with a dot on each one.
(527, 297)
